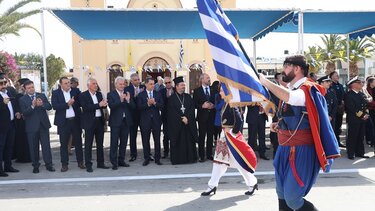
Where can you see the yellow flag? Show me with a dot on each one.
(318, 55)
(341, 53)
(130, 60)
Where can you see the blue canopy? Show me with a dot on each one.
(112, 24)
(356, 24)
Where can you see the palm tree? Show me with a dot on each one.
(359, 49)
(313, 58)
(330, 52)
(10, 19)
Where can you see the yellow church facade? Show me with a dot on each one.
(104, 60)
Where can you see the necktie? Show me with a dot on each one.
(32, 97)
(150, 94)
(207, 94)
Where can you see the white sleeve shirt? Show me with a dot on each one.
(297, 97)
(10, 107)
(70, 111)
(95, 100)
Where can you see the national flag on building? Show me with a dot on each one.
(239, 79)
(181, 55)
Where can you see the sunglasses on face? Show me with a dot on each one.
(167, 82)
(3, 82)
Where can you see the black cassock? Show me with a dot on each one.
(183, 137)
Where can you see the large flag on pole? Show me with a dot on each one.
(238, 76)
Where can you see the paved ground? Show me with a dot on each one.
(349, 186)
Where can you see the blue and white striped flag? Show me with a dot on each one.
(239, 80)
(181, 55)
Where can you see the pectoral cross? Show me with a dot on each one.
(183, 109)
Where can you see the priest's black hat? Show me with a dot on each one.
(178, 80)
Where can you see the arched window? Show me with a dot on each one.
(114, 71)
(154, 67)
(194, 74)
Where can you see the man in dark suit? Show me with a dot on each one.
(92, 121)
(356, 116)
(149, 104)
(7, 128)
(134, 89)
(34, 107)
(256, 120)
(120, 119)
(204, 100)
(165, 94)
(67, 120)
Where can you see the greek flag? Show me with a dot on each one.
(239, 79)
(181, 54)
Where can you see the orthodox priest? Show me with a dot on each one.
(182, 128)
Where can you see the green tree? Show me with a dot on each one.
(331, 51)
(55, 69)
(55, 66)
(312, 58)
(10, 20)
(359, 49)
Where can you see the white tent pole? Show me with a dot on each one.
(44, 53)
(255, 54)
(348, 55)
(300, 32)
(81, 68)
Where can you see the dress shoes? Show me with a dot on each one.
(210, 158)
(201, 160)
(11, 170)
(133, 158)
(102, 166)
(351, 157)
(363, 156)
(35, 170)
(64, 168)
(209, 191)
(264, 157)
(251, 190)
(165, 156)
(158, 163)
(123, 164)
(145, 163)
(81, 165)
(114, 167)
(89, 169)
(50, 168)
(3, 174)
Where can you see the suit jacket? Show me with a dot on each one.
(37, 116)
(118, 108)
(149, 112)
(5, 112)
(163, 93)
(89, 110)
(59, 104)
(199, 98)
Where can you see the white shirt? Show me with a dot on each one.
(70, 111)
(150, 94)
(297, 97)
(204, 89)
(95, 100)
(120, 94)
(10, 107)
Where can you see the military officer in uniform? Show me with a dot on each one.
(330, 97)
(356, 115)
